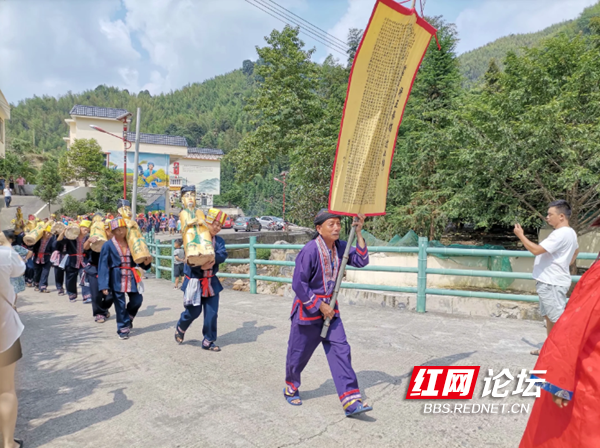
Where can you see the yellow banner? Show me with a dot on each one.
(382, 76)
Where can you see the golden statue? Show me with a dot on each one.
(135, 240)
(97, 230)
(197, 241)
(36, 233)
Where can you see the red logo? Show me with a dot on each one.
(437, 383)
(176, 168)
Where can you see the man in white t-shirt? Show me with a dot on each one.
(7, 196)
(553, 258)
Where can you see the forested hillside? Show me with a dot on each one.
(473, 64)
(209, 114)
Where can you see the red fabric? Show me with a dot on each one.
(571, 356)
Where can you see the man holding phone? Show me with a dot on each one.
(553, 258)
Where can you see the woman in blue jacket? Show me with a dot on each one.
(201, 288)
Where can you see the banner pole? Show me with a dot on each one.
(338, 281)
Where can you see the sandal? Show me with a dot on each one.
(359, 410)
(291, 398)
(19, 442)
(535, 352)
(179, 335)
(212, 347)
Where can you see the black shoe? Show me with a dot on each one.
(123, 336)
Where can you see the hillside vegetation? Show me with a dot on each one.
(474, 63)
(208, 114)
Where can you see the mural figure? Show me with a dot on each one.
(149, 176)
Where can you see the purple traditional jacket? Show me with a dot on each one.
(314, 277)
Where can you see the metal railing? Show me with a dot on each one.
(421, 290)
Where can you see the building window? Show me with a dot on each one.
(1, 131)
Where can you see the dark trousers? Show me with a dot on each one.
(20, 190)
(210, 305)
(100, 303)
(7, 200)
(59, 278)
(41, 273)
(126, 311)
(72, 274)
(29, 271)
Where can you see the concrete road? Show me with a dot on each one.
(80, 386)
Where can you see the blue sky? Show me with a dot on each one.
(50, 47)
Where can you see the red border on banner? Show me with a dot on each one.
(423, 23)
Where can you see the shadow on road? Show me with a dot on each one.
(152, 328)
(66, 380)
(248, 332)
(150, 311)
(78, 420)
(370, 378)
(534, 345)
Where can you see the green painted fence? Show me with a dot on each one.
(165, 269)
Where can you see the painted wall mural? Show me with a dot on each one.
(204, 174)
(152, 168)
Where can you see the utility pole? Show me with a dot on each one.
(136, 162)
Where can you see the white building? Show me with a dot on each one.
(4, 116)
(165, 161)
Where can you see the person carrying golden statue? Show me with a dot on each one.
(197, 238)
(201, 287)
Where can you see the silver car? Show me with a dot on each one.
(247, 224)
(265, 221)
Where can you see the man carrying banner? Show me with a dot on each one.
(317, 267)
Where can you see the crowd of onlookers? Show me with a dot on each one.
(8, 188)
(158, 222)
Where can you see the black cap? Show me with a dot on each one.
(123, 203)
(323, 216)
(188, 188)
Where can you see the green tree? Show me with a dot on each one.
(533, 138)
(420, 184)
(107, 191)
(297, 109)
(72, 207)
(49, 184)
(84, 161)
(14, 164)
(354, 37)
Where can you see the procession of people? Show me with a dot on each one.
(107, 256)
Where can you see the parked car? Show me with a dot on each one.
(265, 221)
(228, 224)
(247, 224)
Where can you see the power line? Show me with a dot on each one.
(331, 43)
(310, 24)
(304, 31)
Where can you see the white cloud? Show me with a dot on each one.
(53, 47)
(482, 23)
(158, 45)
(496, 18)
(356, 16)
